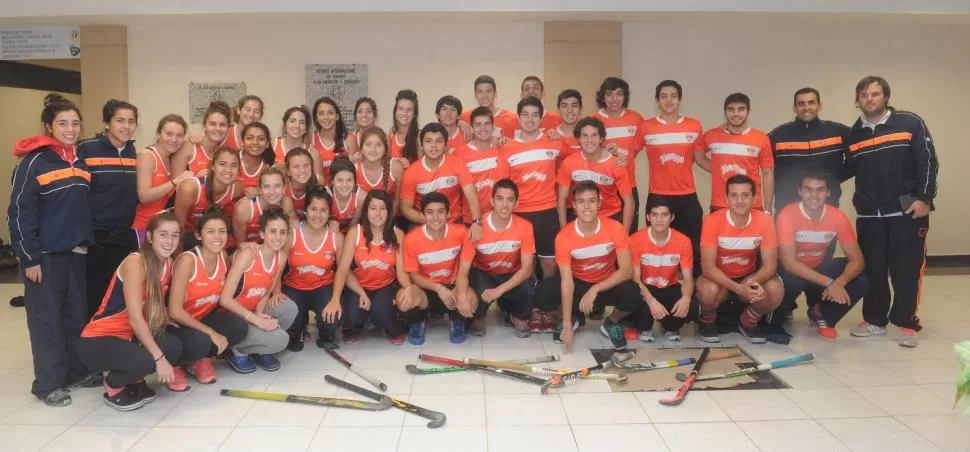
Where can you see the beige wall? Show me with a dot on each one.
(926, 66)
(19, 122)
(434, 58)
(596, 44)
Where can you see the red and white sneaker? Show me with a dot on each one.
(535, 321)
(180, 383)
(549, 322)
(204, 371)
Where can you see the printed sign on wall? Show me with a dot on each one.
(33, 43)
(344, 83)
(202, 94)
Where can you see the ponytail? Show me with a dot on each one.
(156, 314)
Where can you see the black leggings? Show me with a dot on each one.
(382, 310)
(126, 361)
(517, 301)
(197, 345)
(624, 296)
(311, 301)
(668, 297)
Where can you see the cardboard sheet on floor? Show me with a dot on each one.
(666, 380)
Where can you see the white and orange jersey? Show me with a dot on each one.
(500, 252)
(622, 131)
(204, 287)
(738, 245)
(659, 263)
(250, 180)
(447, 178)
(199, 160)
(533, 166)
(456, 140)
(375, 263)
(436, 260)
(746, 153)
(670, 154)
(258, 280)
(550, 121)
(591, 258)
(505, 122)
(364, 183)
(311, 268)
(613, 181)
(810, 238)
(486, 167)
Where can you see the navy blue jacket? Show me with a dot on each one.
(49, 209)
(114, 185)
(800, 147)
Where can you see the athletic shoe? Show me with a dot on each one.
(549, 324)
(828, 332)
(614, 332)
(477, 328)
(295, 344)
(241, 364)
(306, 336)
(707, 332)
(327, 342)
(17, 302)
(631, 334)
(399, 339)
(124, 400)
(57, 398)
(521, 328)
(673, 336)
(754, 334)
(535, 321)
(776, 334)
(416, 333)
(204, 371)
(91, 380)
(909, 338)
(268, 363)
(598, 312)
(437, 315)
(866, 329)
(457, 333)
(645, 336)
(180, 383)
(557, 336)
(507, 319)
(141, 389)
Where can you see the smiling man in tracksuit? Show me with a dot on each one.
(895, 165)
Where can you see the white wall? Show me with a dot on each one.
(926, 66)
(433, 58)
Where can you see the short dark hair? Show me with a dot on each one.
(611, 84)
(485, 79)
(112, 106)
(482, 111)
(568, 93)
(585, 186)
(740, 179)
(507, 184)
(868, 80)
(529, 101)
(447, 100)
(433, 127)
(534, 79)
(737, 98)
(806, 90)
(273, 213)
(589, 121)
(823, 176)
(655, 201)
(671, 83)
(433, 197)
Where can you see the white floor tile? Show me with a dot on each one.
(593, 438)
(305, 382)
(877, 434)
(903, 400)
(524, 410)
(823, 403)
(340, 417)
(861, 373)
(146, 416)
(256, 381)
(29, 437)
(806, 376)
(96, 439)
(697, 407)
(167, 439)
(532, 438)
(495, 384)
(603, 409)
(392, 359)
(449, 383)
(444, 439)
(207, 411)
(370, 439)
(757, 405)
(276, 438)
(719, 436)
(283, 414)
(791, 436)
(398, 381)
(16, 381)
(461, 409)
(948, 431)
(924, 371)
(13, 402)
(34, 412)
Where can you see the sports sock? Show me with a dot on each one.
(112, 391)
(749, 317)
(707, 317)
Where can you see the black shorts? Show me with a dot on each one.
(545, 227)
(435, 305)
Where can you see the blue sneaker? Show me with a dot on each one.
(457, 333)
(240, 364)
(269, 363)
(416, 333)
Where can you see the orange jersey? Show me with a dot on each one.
(659, 263)
(623, 132)
(375, 264)
(550, 120)
(146, 210)
(231, 140)
(112, 317)
(299, 202)
(670, 154)
(252, 225)
(486, 167)
(250, 180)
(279, 151)
(731, 154)
(204, 288)
(613, 181)
(505, 122)
(367, 185)
(448, 179)
(327, 155)
(201, 203)
(397, 147)
(199, 160)
(257, 281)
(311, 268)
(500, 252)
(570, 145)
(456, 140)
(738, 247)
(345, 215)
(591, 258)
(532, 166)
(812, 239)
(436, 260)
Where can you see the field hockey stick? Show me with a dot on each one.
(617, 378)
(413, 369)
(750, 370)
(511, 374)
(512, 366)
(682, 394)
(562, 378)
(377, 383)
(651, 366)
(384, 404)
(437, 418)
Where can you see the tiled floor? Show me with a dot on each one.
(861, 395)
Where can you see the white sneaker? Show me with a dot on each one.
(866, 329)
(673, 336)
(908, 338)
(646, 336)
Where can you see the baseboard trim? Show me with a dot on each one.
(950, 260)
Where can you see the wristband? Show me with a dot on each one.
(831, 281)
(160, 358)
(248, 316)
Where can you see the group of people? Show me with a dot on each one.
(224, 244)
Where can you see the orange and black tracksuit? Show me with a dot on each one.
(114, 198)
(800, 147)
(50, 226)
(890, 159)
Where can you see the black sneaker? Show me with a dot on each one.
(59, 397)
(615, 333)
(17, 302)
(557, 336)
(126, 400)
(507, 319)
(707, 332)
(141, 389)
(753, 334)
(327, 342)
(91, 380)
(295, 344)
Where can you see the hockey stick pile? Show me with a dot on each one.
(516, 369)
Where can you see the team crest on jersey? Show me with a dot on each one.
(689, 137)
(757, 241)
(675, 260)
(604, 180)
(550, 154)
(631, 130)
(752, 150)
(328, 255)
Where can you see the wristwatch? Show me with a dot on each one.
(477, 221)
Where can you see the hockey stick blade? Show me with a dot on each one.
(374, 381)
(412, 369)
(511, 374)
(651, 366)
(384, 404)
(750, 370)
(562, 378)
(437, 418)
(682, 393)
